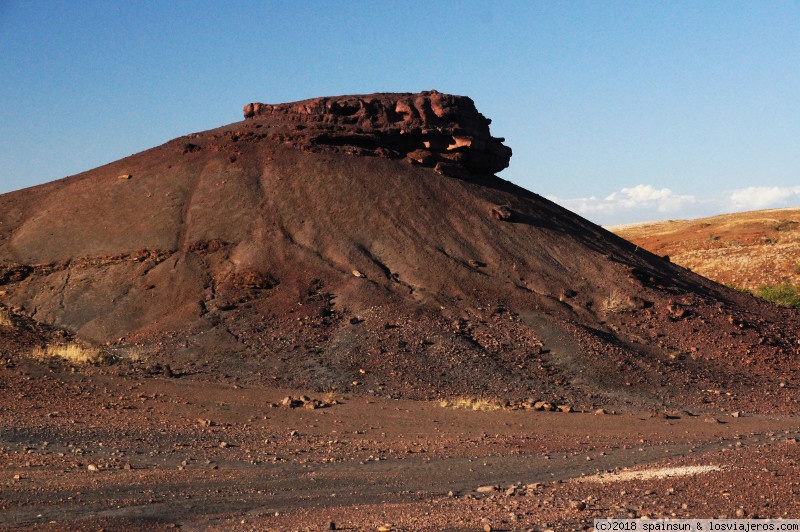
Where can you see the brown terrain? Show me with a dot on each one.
(333, 315)
(744, 250)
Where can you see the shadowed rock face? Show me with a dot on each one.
(315, 245)
(431, 129)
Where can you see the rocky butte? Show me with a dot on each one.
(364, 244)
(431, 129)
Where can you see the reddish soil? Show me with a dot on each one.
(134, 453)
(360, 249)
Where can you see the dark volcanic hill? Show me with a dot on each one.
(363, 243)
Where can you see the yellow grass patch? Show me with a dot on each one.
(71, 352)
(472, 403)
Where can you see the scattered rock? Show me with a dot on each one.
(421, 157)
(577, 505)
(358, 274)
(501, 212)
(291, 402)
(124, 176)
(91, 467)
(486, 489)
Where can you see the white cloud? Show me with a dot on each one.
(649, 197)
(647, 203)
(643, 202)
(755, 198)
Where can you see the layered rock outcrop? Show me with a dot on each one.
(431, 129)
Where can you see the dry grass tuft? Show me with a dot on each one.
(133, 354)
(5, 319)
(477, 404)
(71, 353)
(615, 302)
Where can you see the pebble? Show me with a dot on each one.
(578, 505)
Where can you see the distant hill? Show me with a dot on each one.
(747, 250)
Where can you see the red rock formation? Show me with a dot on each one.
(430, 129)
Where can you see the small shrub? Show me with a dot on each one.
(472, 403)
(787, 225)
(71, 353)
(784, 295)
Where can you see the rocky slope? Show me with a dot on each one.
(362, 243)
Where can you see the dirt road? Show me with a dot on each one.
(80, 451)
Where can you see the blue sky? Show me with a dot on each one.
(621, 111)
